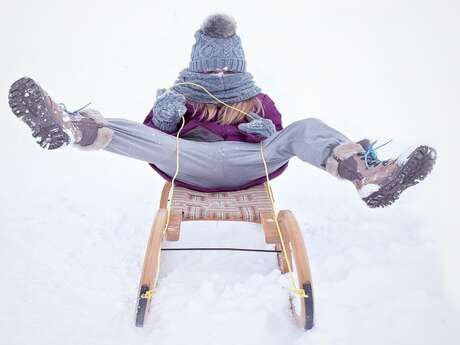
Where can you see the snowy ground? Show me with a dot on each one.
(74, 225)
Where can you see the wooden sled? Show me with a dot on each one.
(249, 205)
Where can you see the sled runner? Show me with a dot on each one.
(249, 205)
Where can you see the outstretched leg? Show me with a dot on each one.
(54, 127)
(379, 183)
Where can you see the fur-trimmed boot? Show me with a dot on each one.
(51, 124)
(379, 183)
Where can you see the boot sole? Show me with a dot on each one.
(27, 101)
(417, 166)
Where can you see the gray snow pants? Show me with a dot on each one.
(224, 163)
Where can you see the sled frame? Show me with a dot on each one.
(249, 205)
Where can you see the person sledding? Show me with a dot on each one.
(224, 115)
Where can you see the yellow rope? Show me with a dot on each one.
(148, 294)
(213, 97)
(171, 190)
(295, 288)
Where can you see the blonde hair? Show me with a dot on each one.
(225, 115)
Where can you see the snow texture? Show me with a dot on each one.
(74, 225)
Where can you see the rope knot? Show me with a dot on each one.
(300, 293)
(148, 294)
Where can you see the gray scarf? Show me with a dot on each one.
(230, 88)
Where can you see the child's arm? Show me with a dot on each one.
(271, 112)
(168, 109)
(253, 133)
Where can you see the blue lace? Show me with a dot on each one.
(370, 156)
(75, 112)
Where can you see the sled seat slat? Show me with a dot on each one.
(243, 205)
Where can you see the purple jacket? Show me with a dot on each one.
(225, 132)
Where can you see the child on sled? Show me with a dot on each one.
(224, 116)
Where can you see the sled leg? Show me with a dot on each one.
(150, 271)
(303, 307)
(269, 227)
(173, 230)
(164, 195)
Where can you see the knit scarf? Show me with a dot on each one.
(228, 87)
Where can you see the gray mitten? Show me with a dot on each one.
(259, 126)
(168, 109)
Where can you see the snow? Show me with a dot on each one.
(74, 225)
(367, 190)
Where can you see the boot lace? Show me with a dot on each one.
(72, 113)
(370, 155)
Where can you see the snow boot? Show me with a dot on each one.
(379, 183)
(51, 124)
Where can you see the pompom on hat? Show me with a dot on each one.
(217, 46)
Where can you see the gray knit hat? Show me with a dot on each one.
(217, 46)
